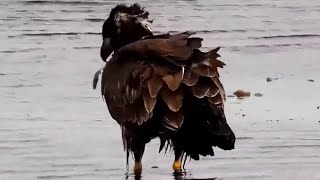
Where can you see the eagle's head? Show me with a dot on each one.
(124, 25)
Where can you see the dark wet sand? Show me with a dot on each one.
(54, 126)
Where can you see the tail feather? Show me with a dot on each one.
(203, 128)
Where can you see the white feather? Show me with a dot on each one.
(119, 18)
(145, 23)
(183, 68)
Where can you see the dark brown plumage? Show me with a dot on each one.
(163, 86)
(126, 25)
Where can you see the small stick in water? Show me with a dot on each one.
(96, 79)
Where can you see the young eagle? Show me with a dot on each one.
(162, 86)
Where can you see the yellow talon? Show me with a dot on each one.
(176, 166)
(137, 168)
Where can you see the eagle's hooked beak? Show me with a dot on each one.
(106, 49)
(143, 20)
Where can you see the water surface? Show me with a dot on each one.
(54, 126)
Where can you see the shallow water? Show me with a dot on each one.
(54, 126)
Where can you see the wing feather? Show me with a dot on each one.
(173, 80)
(173, 120)
(149, 102)
(141, 73)
(154, 85)
(173, 99)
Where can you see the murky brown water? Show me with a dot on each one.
(54, 126)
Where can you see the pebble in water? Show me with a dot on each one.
(241, 93)
(269, 79)
(258, 94)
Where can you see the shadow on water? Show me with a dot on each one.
(175, 175)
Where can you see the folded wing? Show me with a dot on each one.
(161, 69)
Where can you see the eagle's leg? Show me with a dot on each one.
(138, 150)
(177, 159)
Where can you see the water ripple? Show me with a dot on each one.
(22, 85)
(57, 34)
(288, 36)
(62, 2)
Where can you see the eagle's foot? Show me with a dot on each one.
(176, 166)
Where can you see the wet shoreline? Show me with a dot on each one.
(54, 126)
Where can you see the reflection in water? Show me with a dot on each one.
(133, 176)
(176, 176)
(184, 176)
